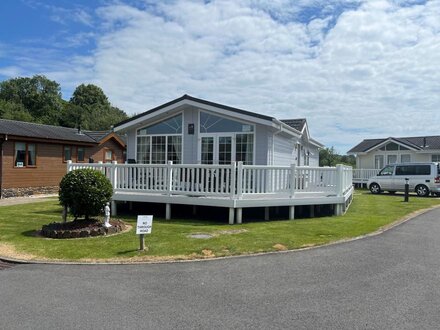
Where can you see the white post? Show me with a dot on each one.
(113, 175)
(339, 180)
(170, 177)
(292, 180)
(240, 180)
(239, 215)
(233, 180)
(291, 212)
(167, 211)
(266, 213)
(69, 166)
(231, 215)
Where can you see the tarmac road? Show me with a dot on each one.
(389, 281)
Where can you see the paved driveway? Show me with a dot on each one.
(390, 281)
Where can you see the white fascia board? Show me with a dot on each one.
(316, 143)
(283, 127)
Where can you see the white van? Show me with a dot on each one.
(423, 178)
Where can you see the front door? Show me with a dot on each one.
(217, 149)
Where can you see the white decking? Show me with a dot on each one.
(361, 176)
(234, 186)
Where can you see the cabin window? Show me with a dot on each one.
(224, 140)
(159, 149)
(210, 123)
(391, 159)
(81, 154)
(25, 154)
(244, 148)
(378, 161)
(405, 158)
(108, 155)
(67, 153)
(160, 142)
(171, 125)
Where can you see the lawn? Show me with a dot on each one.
(170, 238)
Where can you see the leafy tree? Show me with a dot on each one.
(14, 111)
(90, 109)
(39, 96)
(328, 157)
(85, 192)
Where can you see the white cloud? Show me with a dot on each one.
(360, 72)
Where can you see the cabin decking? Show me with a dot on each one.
(361, 176)
(234, 186)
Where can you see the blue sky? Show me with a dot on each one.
(355, 69)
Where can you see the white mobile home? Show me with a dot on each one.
(196, 152)
(188, 130)
(373, 154)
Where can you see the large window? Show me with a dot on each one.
(393, 147)
(224, 140)
(405, 158)
(244, 148)
(67, 153)
(210, 123)
(391, 159)
(378, 161)
(160, 142)
(25, 154)
(80, 154)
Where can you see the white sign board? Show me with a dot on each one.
(144, 224)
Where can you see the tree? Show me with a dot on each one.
(85, 192)
(14, 111)
(328, 157)
(90, 109)
(39, 96)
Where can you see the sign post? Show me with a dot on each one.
(143, 226)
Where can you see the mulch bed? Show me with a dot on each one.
(81, 228)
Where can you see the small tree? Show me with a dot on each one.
(85, 192)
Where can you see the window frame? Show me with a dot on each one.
(64, 153)
(104, 159)
(149, 138)
(26, 156)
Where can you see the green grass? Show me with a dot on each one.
(169, 239)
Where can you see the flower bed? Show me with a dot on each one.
(81, 228)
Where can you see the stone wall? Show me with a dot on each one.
(22, 192)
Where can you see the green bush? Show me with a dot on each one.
(85, 192)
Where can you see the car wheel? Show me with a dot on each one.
(422, 190)
(375, 188)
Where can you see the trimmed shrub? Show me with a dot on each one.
(85, 192)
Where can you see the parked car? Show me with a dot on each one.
(423, 178)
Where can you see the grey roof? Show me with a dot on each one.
(416, 142)
(49, 132)
(297, 124)
(101, 135)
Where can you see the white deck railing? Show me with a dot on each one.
(362, 175)
(234, 181)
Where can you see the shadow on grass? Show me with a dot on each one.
(31, 233)
(121, 253)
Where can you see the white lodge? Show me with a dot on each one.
(194, 131)
(196, 152)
